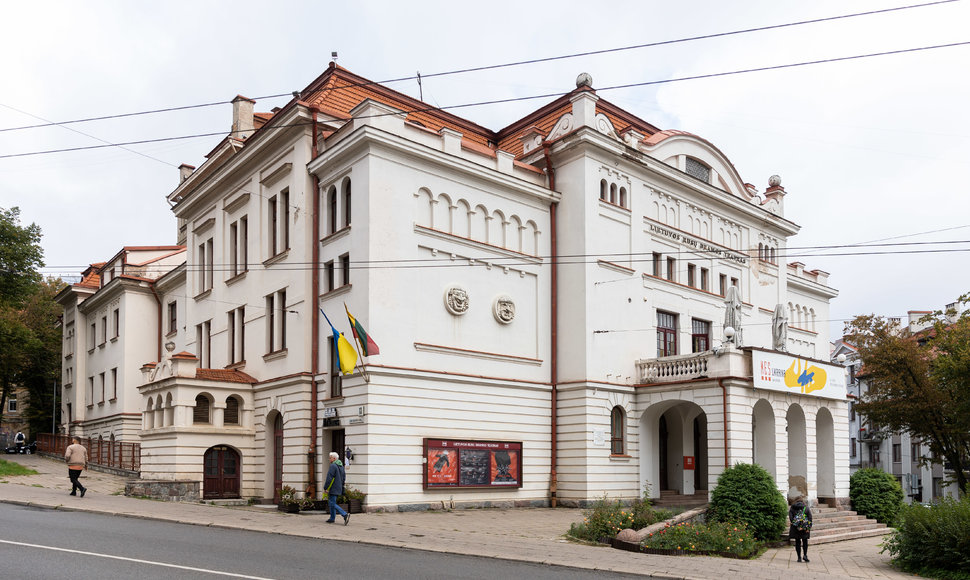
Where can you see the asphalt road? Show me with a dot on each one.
(40, 543)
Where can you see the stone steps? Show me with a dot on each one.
(832, 525)
(672, 499)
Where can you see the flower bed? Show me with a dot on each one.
(721, 539)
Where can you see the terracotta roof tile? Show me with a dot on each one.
(224, 375)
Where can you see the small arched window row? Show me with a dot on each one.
(767, 253)
(616, 194)
(476, 222)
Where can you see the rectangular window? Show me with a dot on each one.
(897, 453)
(104, 329)
(700, 337)
(69, 340)
(657, 264)
(12, 403)
(115, 323)
(915, 453)
(203, 343)
(692, 275)
(851, 411)
(237, 335)
(206, 267)
(272, 219)
(238, 247)
(276, 322)
(722, 288)
(93, 335)
(101, 384)
(114, 384)
(666, 334)
(671, 269)
(852, 446)
(279, 223)
(704, 280)
(90, 394)
(336, 381)
(172, 317)
(345, 269)
(330, 273)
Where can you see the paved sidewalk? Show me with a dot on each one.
(530, 535)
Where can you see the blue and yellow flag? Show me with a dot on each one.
(346, 355)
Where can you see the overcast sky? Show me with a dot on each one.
(872, 149)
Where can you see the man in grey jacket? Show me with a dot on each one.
(334, 486)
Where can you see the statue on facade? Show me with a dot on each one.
(779, 328)
(732, 314)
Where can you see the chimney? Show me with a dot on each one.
(242, 117)
(185, 170)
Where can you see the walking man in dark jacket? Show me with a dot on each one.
(334, 486)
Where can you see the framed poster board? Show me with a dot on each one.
(451, 463)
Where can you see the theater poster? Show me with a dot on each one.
(453, 463)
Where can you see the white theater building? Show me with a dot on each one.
(549, 301)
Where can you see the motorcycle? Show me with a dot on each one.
(28, 449)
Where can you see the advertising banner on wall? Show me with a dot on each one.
(463, 463)
(779, 371)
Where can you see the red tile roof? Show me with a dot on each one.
(224, 375)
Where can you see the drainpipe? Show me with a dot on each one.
(314, 317)
(553, 330)
(158, 302)
(720, 383)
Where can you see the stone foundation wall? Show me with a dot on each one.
(166, 490)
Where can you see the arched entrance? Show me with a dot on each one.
(797, 450)
(763, 437)
(220, 478)
(674, 448)
(825, 450)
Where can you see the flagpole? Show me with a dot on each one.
(359, 349)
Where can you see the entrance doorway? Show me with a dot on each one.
(277, 457)
(220, 478)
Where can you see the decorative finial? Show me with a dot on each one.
(584, 80)
(774, 181)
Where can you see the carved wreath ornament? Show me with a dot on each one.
(456, 300)
(504, 309)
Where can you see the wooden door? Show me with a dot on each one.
(221, 473)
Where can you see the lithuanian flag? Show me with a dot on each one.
(366, 344)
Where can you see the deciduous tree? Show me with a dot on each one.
(919, 383)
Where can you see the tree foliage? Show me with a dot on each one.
(29, 338)
(919, 383)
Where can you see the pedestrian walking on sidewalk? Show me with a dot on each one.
(19, 440)
(76, 457)
(334, 486)
(800, 516)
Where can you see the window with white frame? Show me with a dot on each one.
(617, 428)
(239, 246)
(206, 268)
(279, 222)
(237, 335)
(276, 322)
(203, 343)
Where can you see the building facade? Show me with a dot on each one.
(578, 304)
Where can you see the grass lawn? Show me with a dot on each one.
(11, 468)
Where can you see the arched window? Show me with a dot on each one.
(603, 189)
(617, 428)
(231, 416)
(201, 412)
(613, 193)
(623, 197)
(346, 200)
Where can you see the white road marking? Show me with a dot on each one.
(149, 562)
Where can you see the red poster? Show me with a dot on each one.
(505, 468)
(442, 466)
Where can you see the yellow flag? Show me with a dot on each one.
(346, 353)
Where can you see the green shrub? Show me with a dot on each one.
(747, 493)
(934, 540)
(714, 537)
(876, 494)
(607, 517)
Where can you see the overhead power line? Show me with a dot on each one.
(571, 259)
(510, 64)
(515, 99)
